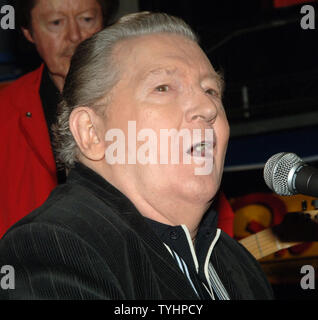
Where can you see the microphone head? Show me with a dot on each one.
(277, 172)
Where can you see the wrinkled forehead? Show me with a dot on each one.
(167, 54)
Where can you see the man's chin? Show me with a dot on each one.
(58, 79)
(200, 193)
(60, 67)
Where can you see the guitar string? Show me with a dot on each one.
(268, 242)
(264, 250)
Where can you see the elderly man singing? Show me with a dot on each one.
(134, 220)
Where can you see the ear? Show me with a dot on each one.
(28, 34)
(83, 125)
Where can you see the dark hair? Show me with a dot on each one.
(23, 10)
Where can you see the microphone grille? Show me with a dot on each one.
(277, 169)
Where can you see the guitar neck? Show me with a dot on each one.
(264, 243)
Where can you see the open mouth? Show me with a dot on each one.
(202, 149)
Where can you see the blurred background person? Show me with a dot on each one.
(56, 28)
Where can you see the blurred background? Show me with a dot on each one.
(270, 66)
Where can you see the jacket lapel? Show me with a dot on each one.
(33, 123)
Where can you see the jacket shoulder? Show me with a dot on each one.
(51, 262)
(73, 236)
(21, 90)
(24, 82)
(75, 208)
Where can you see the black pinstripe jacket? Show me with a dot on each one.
(88, 241)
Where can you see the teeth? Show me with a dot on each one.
(201, 149)
(201, 146)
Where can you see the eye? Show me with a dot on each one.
(212, 92)
(88, 19)
(55, 25)
(162, 88)
(56, 22)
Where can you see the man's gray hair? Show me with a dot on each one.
(93, 71)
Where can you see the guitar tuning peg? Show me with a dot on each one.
(304, 205)
(315, 204)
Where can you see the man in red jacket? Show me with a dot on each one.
(28, 105)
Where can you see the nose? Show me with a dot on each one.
(74, 32)
(202, 108)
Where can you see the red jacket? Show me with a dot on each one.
(27, 166)
(27, 163)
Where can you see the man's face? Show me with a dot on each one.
(167, 82)
(57, 28)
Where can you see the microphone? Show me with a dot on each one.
(286, 174)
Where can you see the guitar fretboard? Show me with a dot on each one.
(264, 243)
